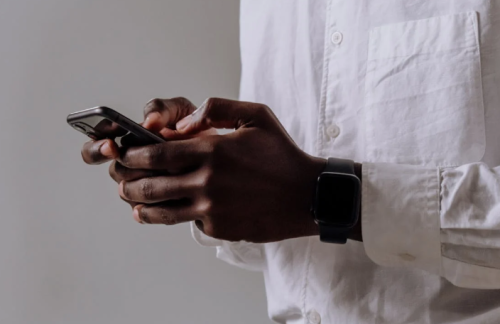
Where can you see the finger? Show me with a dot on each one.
(199, 225)
(224, 113)
(165, 113)
(158, 189)
(131, 140)
(120, 173)
(173, 134)
(171, 156)
(167, 214)
(98, 152)
(131, 203)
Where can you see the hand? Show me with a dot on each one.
(160, 116)
(253, 184)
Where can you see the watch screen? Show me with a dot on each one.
(337, 199)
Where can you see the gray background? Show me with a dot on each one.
(69, 249)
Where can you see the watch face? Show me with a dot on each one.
(337, 200)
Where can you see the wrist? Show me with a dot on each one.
(312, 228)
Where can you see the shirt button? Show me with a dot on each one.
(337, 38)
(314, 317)
(333, 131)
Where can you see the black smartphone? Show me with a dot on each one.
(103, 122)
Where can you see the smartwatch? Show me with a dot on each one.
(337, 201)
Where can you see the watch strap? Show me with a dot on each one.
(329, 234)
(340, 166)
(332, 234)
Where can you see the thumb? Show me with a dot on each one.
(224, 113)
(165, 113)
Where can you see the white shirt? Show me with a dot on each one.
(412, 90)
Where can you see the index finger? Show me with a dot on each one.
(165, 113)
(172, 156)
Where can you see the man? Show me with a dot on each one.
(408, 90)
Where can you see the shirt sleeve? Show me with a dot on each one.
(248, 256)
(442, 220)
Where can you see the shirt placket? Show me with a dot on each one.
(332, 97)
(332, 104)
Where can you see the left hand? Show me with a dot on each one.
(253, 184)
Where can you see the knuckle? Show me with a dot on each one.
(183, 106)
(206, 208)
(217, 155)
(206, 145)
(262, 110)
(214, 147)
(168, 218)
(208, 229)
(144, 215)
(155, 104)
(213, 230)
(153, 155)
(172, 159)
(216, 144)
(208, 183)
(146, 189)
(181, 101)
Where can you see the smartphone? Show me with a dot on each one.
(103, 122)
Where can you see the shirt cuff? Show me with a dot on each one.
(248, 256)
(400, 216)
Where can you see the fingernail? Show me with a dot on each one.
(137, 218)
(151, 118)
(183, 123)
(120, 189)
(106, 150)
(201, 107)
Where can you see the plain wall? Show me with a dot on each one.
(70, 251)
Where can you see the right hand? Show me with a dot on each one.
(160, 116)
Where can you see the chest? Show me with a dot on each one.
(395, 81)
